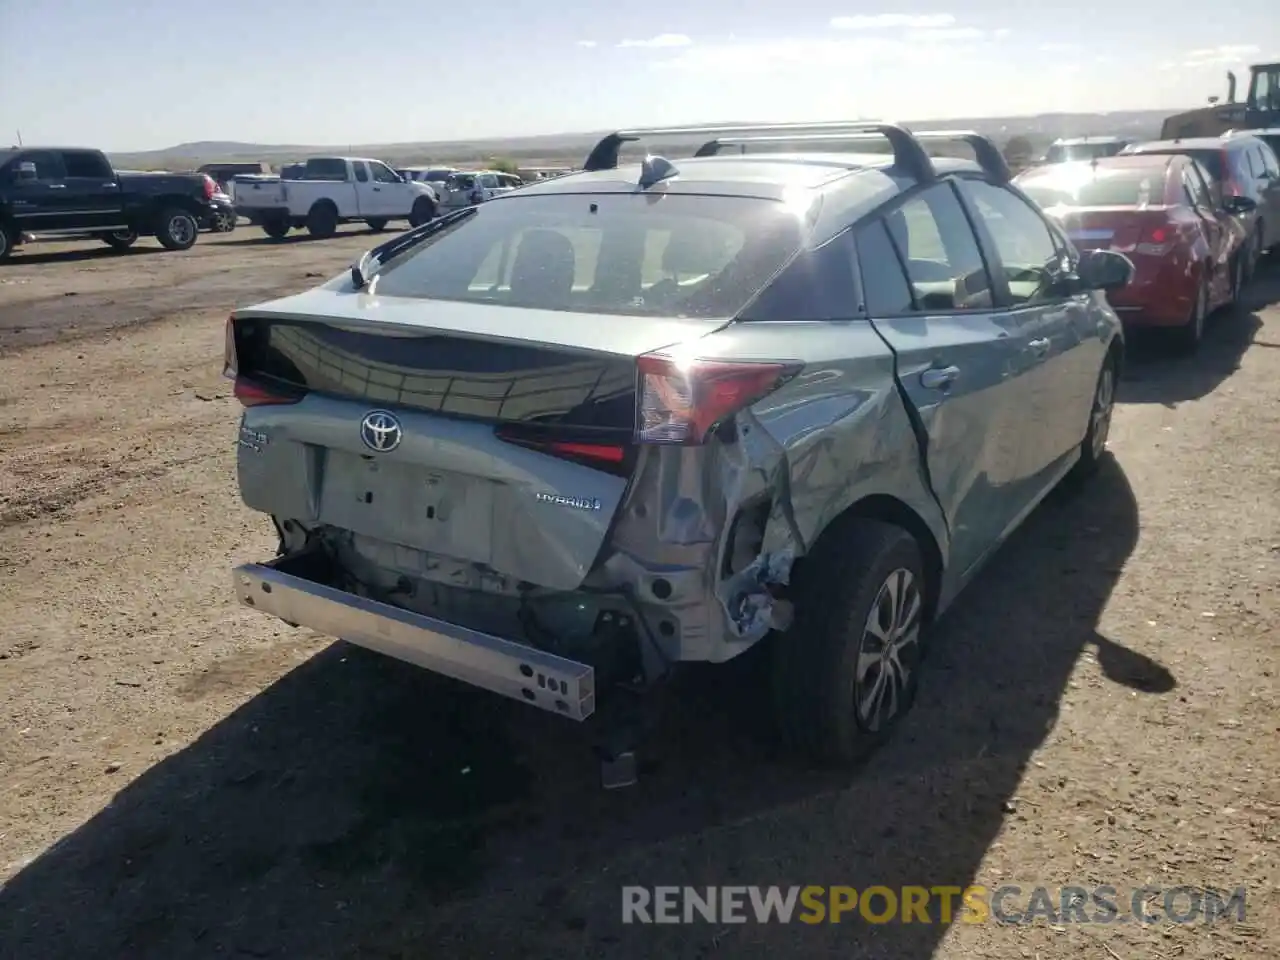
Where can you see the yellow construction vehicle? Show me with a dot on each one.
(1260, 108)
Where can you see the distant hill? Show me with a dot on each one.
(572, 148)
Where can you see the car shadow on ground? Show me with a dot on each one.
(27, 255)
(361, 808)
(1155, 373)
(254, 237)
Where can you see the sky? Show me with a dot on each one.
(147, 74)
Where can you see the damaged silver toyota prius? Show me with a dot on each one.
(557, 444)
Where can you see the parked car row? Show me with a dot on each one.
(1194, 216)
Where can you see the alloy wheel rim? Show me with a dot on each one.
(888, 651)
(180, 229)
(1103, 403)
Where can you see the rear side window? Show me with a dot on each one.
(326, 168)
(1269, 157)
(944, 265)
(816, 285)
(885, 290)
(86, 165)
(629, 254)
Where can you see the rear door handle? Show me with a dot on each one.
(1039, 347)
(939, 378)
(57, 186)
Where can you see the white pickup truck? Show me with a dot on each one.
(328, 191)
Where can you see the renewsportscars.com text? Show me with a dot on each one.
(1005, 904)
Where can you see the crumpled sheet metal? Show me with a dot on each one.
(751, 608)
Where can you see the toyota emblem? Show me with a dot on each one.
(381, 431)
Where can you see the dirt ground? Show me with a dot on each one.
(181, 777)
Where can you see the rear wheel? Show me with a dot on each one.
(1094, 446)
(224, 221)
(121, 239)
(847, 670)
(322, 221)
(377, 225)
(1189, 336)
(178, 229)
(276, 229)
(7, 234)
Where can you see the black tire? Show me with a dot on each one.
(7, 236)
(377, 225)
(322, 220)
(121, 239)
(1239, 276)
(816, 688)
(276, 229)
(223, 222)
(1255, 252)
(1188, 337)
(1094, 446)
(177, 229)
(424, 211)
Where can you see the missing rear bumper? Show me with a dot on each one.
(558, 685)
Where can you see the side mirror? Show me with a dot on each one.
(1238, 205)
(1104, 270)
(25, 171)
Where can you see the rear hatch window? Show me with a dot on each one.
(1101, 188)
(626, 254)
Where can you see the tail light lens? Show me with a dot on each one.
(1155, 242)
(210, 188)
(1230, 185)
(683, 402)
(610, 457)
(249, 392)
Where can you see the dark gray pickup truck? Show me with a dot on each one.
(75, 192)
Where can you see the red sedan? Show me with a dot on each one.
(1161, 213)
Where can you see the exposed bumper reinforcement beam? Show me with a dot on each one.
(511, 669)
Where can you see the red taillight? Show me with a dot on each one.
(249, 393)
(682, 402)
(1230, 185)
(1156, 241)
(210, 188)
(604, 454)
(252, 394)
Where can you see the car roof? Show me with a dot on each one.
(850, 184)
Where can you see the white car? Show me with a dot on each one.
(328, 191)
(465, 189)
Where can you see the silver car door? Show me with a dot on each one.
(1065, 349)
(959, 363)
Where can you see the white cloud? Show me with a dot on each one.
(1001, 33)
(1059, 47)
(587, 43)
(807, 54)
(1225, 54)
(661, 40)
(945, 35)
(894, 21)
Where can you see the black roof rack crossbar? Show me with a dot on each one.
(604, 156)
(984, 150)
